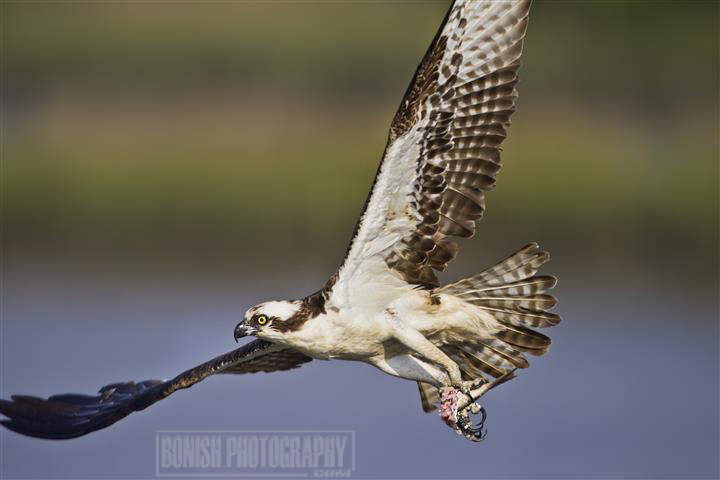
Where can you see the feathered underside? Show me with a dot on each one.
(443, 150)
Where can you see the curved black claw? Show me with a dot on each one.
(474, 432)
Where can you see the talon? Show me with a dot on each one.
(457, 416)
(475, 433)
(483, 417)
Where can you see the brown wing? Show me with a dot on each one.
(281, 359)
(462, 98)
(443, 149)
(73, 415)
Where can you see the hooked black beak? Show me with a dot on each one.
(240, 331)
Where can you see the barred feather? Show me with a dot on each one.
(525, 339)
(473, 364)
(522, 318)
(516, 299)
(533, 303)
(429, 396)
(501, 348)
(530, 286)
(519, 266)
(449, 129)
(488, 356)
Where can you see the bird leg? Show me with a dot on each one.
(457, 400)
(483, 387)
(425, 349)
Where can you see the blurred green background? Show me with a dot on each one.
(166, 165)
(158, 132)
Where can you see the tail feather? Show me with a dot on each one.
(487, 356)
(501, 348)
(512, 294)
(523, 318)
(524, 338)
(474, 363)
(429, 396)
(518, 301)
(520, 265)
(533, 303)
(529, 286)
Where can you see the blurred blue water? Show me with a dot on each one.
(629, 389)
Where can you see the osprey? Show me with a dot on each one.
(385, 306)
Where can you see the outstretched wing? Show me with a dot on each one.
(443, 150)
(72, 415)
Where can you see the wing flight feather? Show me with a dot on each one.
(73, 415)
(443, 150)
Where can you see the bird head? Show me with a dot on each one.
(266, 320)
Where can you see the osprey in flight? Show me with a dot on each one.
(384, 305)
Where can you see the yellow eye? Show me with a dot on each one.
(261, 319)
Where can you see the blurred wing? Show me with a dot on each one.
(443, 150)
(73, 415)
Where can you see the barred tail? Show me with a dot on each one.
(516, 298)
